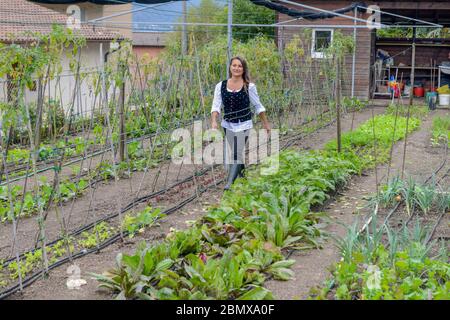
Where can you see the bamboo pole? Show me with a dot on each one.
(338, 104)
(413, 66)
(122, 133)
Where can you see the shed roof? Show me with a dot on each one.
(437, 11)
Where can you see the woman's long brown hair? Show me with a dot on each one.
(245, 73)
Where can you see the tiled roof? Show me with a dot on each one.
(19, 17)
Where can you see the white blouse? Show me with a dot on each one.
(254, 101)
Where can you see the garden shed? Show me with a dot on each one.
(364, 77)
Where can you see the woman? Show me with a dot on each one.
(236, 94)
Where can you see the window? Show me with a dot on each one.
(83, 15)
(321, 39)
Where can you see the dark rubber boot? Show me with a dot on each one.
(242, 171)
(235, 171)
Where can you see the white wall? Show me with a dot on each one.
(64, 88)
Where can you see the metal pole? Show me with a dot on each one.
(122, 137)
(184, 39)
(327, 11)
(102, 64)
(207, 24)
(413, 66)
(230, 36)
(338, 104)
(354, 54)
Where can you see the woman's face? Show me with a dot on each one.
(236, 68)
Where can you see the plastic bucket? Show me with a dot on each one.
(429, 95)
(444, 99)
(419, 91)
(407, 91)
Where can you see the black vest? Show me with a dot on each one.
(236, 104)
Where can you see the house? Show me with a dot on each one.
(19, 17)
(131, 20)
(365, 78)
(117, 21)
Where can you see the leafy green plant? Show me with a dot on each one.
(390, 193)
(231, 251)
(59, 249)
(251, 225)
(69, 189)
(18, 155)
(353, 104)
(415, 111)
(136, 223)
(361, 140)
(441, 130)
(3, 281)
(80, 144)
(284, 221)
(98, 131)
(401, 269)
(425, 197)
(443, 199)
(99, 233)
(75, 170)
(105, 170)
(32, 260)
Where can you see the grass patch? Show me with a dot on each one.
(441, 130)
(361, 140)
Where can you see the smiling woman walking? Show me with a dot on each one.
(236, 94)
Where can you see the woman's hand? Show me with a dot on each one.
(266, 126)
(265, 122)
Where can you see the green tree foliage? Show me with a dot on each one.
(245, 12)
(209, 11)
(398, 32)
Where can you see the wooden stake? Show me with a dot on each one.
(122, 133)
(338, 107)
(413, 66)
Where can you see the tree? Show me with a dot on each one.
(208, 11)
(245, 12)
(212, 11)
